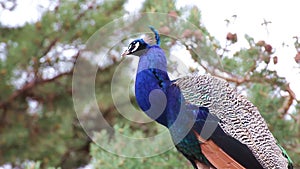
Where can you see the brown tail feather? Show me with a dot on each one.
(216, 156)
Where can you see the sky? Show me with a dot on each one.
(250, 16)
(25, 11)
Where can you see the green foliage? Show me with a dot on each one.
(103, 159)
(49, 133)
(35, 165)
(35, 70)
(163, 7)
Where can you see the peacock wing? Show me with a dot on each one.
(241, 120)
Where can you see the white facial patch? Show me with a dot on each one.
(136, 46)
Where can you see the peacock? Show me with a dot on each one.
(210, 123)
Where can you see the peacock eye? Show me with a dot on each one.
(136, 46)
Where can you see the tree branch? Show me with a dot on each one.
(288, 102)
(34, 83)
(52, 44)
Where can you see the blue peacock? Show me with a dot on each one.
(218, 128)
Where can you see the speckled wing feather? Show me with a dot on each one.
(240, 118)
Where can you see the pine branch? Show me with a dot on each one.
(29, 86)
(288, 102)
(51, 45)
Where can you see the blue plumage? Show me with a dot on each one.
(198, 134)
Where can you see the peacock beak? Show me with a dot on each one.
(126, 52)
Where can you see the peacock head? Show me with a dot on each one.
(139, 46)
(136, 47)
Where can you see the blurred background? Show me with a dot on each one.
(40, 42)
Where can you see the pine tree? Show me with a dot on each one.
(37, 118)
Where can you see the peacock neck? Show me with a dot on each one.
(153, 58)
(152, 75)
